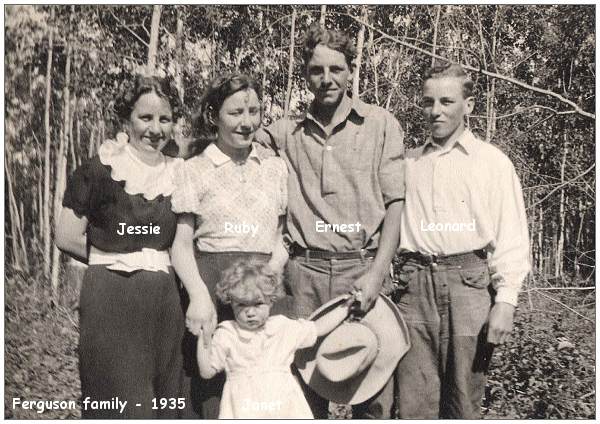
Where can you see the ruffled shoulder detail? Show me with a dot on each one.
(190, 184)
(139, 177)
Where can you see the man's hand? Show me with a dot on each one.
(201, 318)
(500, 322)
(369, 285)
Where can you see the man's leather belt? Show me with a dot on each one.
(452, 260)
(297, 250)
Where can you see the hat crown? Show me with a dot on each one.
(347, 351)
(340, 360)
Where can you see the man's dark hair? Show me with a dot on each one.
(335, 40)
(446, 69)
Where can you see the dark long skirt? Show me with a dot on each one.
(131, 327)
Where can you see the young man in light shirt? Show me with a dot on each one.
(459, 282)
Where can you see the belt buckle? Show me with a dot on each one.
(431, 260)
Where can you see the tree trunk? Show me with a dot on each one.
(13, 215)
(578, 241)
(438, 9)
(61, 166)
(179, 54)
(78, 157)
(181, 137)
(558, 266)
(153, 45)
(40, 210)
(288, 91)
(359, 50)
(261, 18)
(374, 66)
(540, 241)
(91, 144)
(72, 145)
(46, 208)
(322, 16)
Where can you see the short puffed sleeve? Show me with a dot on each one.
(220, 347)
(80, 186)
(304, 331)
(188, 182)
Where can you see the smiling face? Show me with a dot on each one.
(237, 122)
(251, 314)
(151, 123)
(327, 75)
(445, 107)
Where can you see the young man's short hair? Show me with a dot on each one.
(447, 69)
(335, 40)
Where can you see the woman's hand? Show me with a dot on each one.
(201, 318)
(71, 234)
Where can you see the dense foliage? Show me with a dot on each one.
(534, 72)
(550, 48)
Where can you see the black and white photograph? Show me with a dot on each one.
(275, 211)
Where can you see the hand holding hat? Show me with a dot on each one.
(354, 361)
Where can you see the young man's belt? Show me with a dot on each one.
(451, 260)
(297, 250)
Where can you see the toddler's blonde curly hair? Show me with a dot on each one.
(248, 281)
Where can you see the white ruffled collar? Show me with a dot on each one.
(140, 178)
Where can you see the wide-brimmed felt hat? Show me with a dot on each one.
(353, 362)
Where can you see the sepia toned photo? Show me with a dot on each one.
(299, 211)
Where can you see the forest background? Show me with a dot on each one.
(534, 72)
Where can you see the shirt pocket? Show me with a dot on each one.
(362, 150)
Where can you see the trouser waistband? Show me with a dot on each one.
(299, 251)
(475, 256)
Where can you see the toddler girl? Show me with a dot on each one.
(256, 350)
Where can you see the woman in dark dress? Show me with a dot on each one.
(117, 218)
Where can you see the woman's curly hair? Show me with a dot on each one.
(204, 121)
(249, 280)
(133, 88)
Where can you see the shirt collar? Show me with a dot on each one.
(218, 158)
(348, 105)
(466, 140)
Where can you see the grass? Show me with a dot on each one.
(545, 370)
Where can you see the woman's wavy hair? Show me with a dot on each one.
(132, 88)
(204, 121)
(249, 280)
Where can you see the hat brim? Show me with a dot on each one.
(391, 331)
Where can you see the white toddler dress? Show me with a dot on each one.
(259, 382)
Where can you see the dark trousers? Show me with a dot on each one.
(131, 327)
(446, 308)
(314, 282)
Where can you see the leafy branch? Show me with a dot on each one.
(576, 108)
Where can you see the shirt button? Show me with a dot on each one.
(328, 148)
